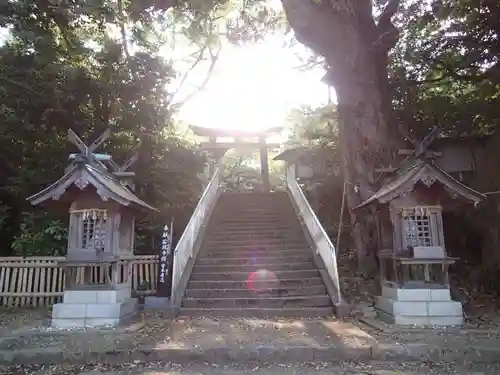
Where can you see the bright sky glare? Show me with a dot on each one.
(253, 87)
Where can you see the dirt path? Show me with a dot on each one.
(346, 368)
(155, 337)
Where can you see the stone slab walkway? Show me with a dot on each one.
(154, 337)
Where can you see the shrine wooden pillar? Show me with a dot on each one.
(264, 164)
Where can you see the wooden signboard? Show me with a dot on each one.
(164, 284)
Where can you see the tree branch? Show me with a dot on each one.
(412, 83)
(214, 57)
(389, 11)
(123, 30)
(185, 76)
(492, 73)
(311, 22)
(388, 34)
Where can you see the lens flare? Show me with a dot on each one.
(262, 280)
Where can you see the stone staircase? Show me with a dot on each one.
(254, 260)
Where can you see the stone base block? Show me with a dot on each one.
(81, 315)
(416, 294)
(420, 320)
(419, 312)
(120, 294)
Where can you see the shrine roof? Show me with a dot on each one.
(83, 174)
(428, 173)
(233, 133)
(293, 154)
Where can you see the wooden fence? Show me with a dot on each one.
(39, 281)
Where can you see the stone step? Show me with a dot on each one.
(241, 284)
(254, 261)
(254, 267)
(300, 290)
(242, 231)
(235, 214)
(249, 235)
(264, 302)
(264, 207)
(255, 227)
(253, 252)
(260, 241)
(244, 210)
(235, 224)
(255, 197)
(281, 220)
(240, 276)
(259, 312)
(239, 214)
(259, 203)
(249, 248)
(262, 220)
(254, 205)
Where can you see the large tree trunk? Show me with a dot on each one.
(488, 180)
(356, 50)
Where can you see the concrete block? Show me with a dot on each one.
(63, 323)
(440, 295)
(399, 294)
(114, 296)
(106, 296)
(80, 296)
(446, 320)
(69, 310)
(401, 307)
(342, 310)
(103, 310)
(414, 295)
(101, 322)
(445, 308)
(405, 320)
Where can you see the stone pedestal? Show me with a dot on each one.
(418, 305)
(94, 306)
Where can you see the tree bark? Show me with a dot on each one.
(356, 51)
(487, 180)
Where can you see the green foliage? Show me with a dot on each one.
(40, 235)
(445, 69)
(144, 285)
(309, 124)
(88, 67)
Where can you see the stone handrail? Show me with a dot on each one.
(323, 244)
(185, 247)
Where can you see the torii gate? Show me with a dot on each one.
(241, 141)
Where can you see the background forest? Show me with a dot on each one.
(91, 64)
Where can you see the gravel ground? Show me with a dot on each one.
(347, 368)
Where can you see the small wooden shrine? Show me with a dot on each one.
(413, 258)
(241, 140)
(99, 196)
